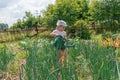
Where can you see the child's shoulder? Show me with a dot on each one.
(64, 31)
(55, 30)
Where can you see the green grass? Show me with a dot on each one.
(5, 58)
(87, 59)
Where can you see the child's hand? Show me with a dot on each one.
(56, 35)
(65, 37)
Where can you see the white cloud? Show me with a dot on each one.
(5, 3)
(15, 9)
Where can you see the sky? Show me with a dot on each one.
(12, 10)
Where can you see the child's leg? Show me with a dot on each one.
(62, 56)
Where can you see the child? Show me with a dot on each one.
(59, 32)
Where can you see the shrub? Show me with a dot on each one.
(45, 34)
(106, 35)
(82, 30)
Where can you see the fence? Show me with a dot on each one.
(11, 35)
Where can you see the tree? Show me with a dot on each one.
(3, 27)
(28, 21)
(106, 13)
(68, 10)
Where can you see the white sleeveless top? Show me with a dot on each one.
(62, 33)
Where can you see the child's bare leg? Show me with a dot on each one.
(59, 76)
(62, 56)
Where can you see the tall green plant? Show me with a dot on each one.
(5, 58)
(97, 61)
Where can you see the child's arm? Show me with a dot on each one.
(65, 36)
(53, 34)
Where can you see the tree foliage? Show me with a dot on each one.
(107, 13)
(104, 13)
(3, 26)
(68, 10)
(28, 21)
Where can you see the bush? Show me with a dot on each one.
(106, 35)
(45, 34)
(82, 30)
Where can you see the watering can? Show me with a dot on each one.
(61, 43)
